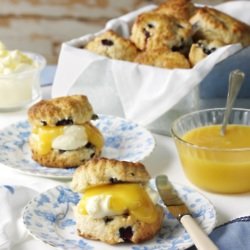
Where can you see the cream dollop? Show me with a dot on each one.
(14, 61)
(74, 137)
(98, 206)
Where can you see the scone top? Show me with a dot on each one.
(104, 171)
(66, 110)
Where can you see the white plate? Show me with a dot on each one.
(49, 218)
(124, 140)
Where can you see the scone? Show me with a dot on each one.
(112, 45)
(211, 24)
(62, 135)
(202, 49)
(163, 58)
(153, 30)
(117, 205)
(183, 9)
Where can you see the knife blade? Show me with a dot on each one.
(180, 211)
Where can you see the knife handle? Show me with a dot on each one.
(200, 239)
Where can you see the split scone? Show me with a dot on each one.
(112, 45)
(62, 135)
(117, 205)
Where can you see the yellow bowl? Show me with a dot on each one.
(211, 167)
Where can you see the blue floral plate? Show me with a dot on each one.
(124, 140)
(49, 218)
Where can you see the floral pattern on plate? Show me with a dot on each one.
(124, 140)
(49, 218)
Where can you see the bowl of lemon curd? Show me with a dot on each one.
(210, 160)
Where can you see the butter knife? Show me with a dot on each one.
(179, 210)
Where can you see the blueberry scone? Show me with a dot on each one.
(183, 9)
(163, 58)
(62, 135)
(202, 49)
(117, 205)
(153, 30)
(211, 24)
(112, 45)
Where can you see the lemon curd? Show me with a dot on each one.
(217, 163)
(45, 136)
(125, 197)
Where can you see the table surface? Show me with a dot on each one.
(163, 160)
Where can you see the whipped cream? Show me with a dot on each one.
(98, 205)
(14, 61)
(74, 137)
(19, 77)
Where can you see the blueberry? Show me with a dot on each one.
(126, 233)
(107, 42)
(63, 122)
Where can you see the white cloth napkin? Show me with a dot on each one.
(140, 93)
(13, 200)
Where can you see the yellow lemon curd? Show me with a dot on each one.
(125, 197)
(47, 134)
(217, 163)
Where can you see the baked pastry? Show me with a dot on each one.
(202, 49)
(211, 24)
(153, 30)
(112, 45)
(183, 9)
(117, 205)
(62, 135)
(163, 58)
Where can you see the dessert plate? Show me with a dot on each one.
(49, 218)
(124, 140)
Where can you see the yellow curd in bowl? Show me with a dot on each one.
(214, 162)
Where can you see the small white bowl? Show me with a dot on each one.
(21, 89)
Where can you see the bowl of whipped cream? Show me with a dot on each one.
(19, 78)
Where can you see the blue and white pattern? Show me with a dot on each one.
(124, 140)
(49, 218)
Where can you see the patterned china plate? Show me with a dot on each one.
(124, 140)
(49, 218)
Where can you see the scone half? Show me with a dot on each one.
(118, 229)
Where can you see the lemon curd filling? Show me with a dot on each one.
(122, 198)
(45, 136)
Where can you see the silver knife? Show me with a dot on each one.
(179, 210)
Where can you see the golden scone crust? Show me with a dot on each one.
(117, 229)
(66, 110)
(163, 58)
(177, 8)
(61, 158)
(112, 45)
(102, 171)
(202, 49)
(153, 30)
(211, 24)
